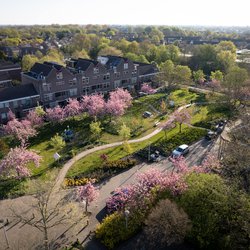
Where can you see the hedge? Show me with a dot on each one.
(187, 136)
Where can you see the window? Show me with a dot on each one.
(117, 75)
(59, 75)
(117, 83)
(4, 116)
(1, 105)
(86, 90)
(96, 70)
(46, 87)
(106, 85)
(48, 97)
(6, 105)
(85, 80)
(72, 82)
(60, 94)
(125, 72)
(59, 83)
(125, 81)
(1, 85)
(25, 102)
(133, 80)
(15, 104)
(134, 72)
(73, 92)
(125, 65)
(106, 77)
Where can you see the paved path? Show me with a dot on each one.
(70, 163)
(196, 155)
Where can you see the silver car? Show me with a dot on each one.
(181, 150)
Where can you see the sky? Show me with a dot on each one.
(131, 12)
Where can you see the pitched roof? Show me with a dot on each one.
(17, 92)
(54, 64)
(41, 68)
(83, 64)
(114, 61)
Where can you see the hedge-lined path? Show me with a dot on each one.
(70, 163)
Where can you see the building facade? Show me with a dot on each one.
(52, 84)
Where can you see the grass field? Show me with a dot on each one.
(80, 125)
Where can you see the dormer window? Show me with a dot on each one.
(59, 76)
(96, 70)
(125, 65)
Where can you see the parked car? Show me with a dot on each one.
(220, 126)
(147, 114)
(211, 135)
(181, 150)
(155, 156)
(142, 94)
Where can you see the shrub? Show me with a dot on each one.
(113, 229)
(206, 203)
(70, 182)
(4, 148)
(188, 136)
(119, 164)
(166, 225)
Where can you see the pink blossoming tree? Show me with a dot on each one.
(121, 95)
(181, 117)
(94, 105)
(34, 118)
(55, 114)
(16, 161)
(146, 88)
(72, 108)
(87, 193)
(115, 107)
(22, 130)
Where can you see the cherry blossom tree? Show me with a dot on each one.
(34, 118)
(22, 130)
(115, 107)
(211, 163)
(182, 116)
(168, 125)
(146, 88)
(94, 105)
(16, 161)
(11, 115)
(121, 95)
(72, 108)
(87, 193)
(55, 114)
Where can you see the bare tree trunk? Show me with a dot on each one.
(86, 207)
(46, 240)
(180, 127)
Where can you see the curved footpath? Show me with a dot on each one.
(69, 164)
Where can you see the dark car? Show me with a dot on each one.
(147, 114)
(211, 135)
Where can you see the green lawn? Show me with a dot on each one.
(93, 161)
(80, 125)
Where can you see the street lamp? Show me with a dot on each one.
(126, 214)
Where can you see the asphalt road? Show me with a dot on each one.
(194, 158)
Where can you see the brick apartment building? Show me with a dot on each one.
(51, 84)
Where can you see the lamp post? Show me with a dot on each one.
(149, 145)
(126, 214)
